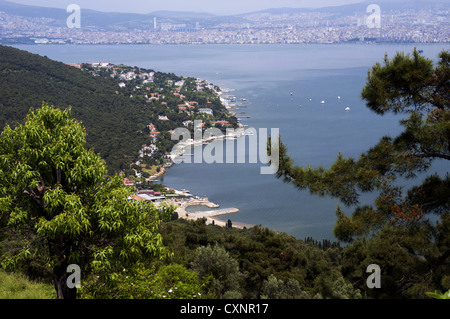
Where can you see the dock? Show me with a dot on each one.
(211, 217)
(212, 213)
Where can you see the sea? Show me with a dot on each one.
(300, 90)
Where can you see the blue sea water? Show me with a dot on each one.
(283, 86)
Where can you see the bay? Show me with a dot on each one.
(283, 86)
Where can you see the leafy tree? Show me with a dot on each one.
(216, 262)
(344, 290)
(176, 282)
(274, 288)
(171, 281)
(439, 295)
(410, 85)
(54, 188)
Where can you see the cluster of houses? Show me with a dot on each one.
(203, 84)
(222, 123)
(153, 133)
(126, 74)
(117, 72)
(148, 150)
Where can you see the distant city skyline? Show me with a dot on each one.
(204, 6)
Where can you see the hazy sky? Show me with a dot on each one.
(219, 7)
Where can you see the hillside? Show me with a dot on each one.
(115, 20)
(120, 106)
(111, 120)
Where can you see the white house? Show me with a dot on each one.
(206, 111)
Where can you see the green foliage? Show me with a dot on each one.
(438, 294)
(28, 79)
(217, 263)
(53, 187)
(168, 282)
(16, 286)
(412, 253)
(239, 262)
(274, 288)
(115, 118)
(400, 83)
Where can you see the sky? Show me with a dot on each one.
(218, 7)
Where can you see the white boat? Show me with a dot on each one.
(347, 108)
(323, 102)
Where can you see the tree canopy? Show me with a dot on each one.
(54, 188)
(410, 85)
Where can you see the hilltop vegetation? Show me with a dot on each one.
(59, 205)
(27, 80)
(17, 286)
(116, 118)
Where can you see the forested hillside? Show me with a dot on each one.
(116, 117)
(58, 206)
(111, 120)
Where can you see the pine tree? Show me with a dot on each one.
(413, 86)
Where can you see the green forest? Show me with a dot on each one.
(62, 205)
(115, 118)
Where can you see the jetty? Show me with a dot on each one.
(210, 215)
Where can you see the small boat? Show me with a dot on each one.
(347, 108)
(339, 97)
(243, 100)
(323, 102)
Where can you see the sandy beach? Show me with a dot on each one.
(210, 215)
(186, 199)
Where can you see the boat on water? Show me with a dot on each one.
(323, 102)
(347, 108)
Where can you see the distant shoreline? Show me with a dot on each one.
(212, 217)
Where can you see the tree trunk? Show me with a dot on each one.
(60, 276)
(58, 249)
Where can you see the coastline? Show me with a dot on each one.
(181, 147)
(211, 216)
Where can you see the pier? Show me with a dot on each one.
(210, 215)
